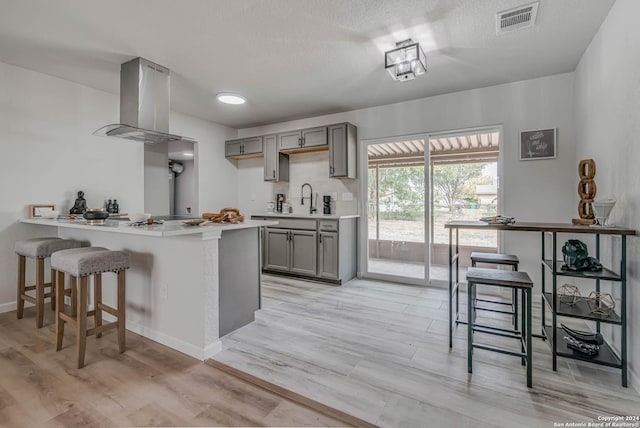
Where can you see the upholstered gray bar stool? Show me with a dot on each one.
(80, 264)
(38, 249)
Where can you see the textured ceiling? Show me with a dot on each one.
(292, 58)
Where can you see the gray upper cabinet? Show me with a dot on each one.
(299, 141)
(342, 151)
(276, 164)
(341, 140)
(243, 148)
(252, 146)
(232, 148)
(289, 140)
(314, 137)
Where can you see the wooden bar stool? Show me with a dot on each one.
(498, 259)
(80, 264)
(38, 249)
(501, 278)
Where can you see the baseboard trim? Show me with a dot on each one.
(290, 395)
(8, 307)
(635, 380)
(194, 351)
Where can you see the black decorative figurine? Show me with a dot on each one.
(80, 205)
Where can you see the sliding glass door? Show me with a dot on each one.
(396, 212)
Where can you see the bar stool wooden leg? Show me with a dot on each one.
(74, 295)
(39, 292)
(97, 301)
(52, 293)
(22, 263)
(59, 308)
(121, 311)
(81, 338)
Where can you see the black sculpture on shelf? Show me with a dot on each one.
(577, 259)
(80, 205)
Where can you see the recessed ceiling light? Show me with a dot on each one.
(230, 98)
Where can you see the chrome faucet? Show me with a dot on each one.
(312, 209)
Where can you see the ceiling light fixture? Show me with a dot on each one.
(230, 98)
(406, 61)
(187, 154)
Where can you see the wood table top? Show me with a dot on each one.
(541, 227)
(507, 278)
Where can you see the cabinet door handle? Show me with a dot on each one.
(274, 173)
(242, 149)
(320, 238)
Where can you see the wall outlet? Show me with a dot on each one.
(164, 291)
(187, 210)
(347, 196)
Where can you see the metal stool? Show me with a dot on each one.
(501, 278)
(38, 249)
(498, 259)
(80, 264)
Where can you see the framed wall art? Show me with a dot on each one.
(538, 144)
(38, 211)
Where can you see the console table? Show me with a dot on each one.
(550, 301)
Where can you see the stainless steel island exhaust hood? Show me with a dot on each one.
(144, 104)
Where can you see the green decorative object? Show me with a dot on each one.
(569, 294)
(576, 257)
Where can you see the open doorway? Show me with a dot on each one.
(414, 185)
(183, 198)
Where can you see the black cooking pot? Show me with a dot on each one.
(96, 214)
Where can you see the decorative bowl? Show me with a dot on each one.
(138, 217)
(96, 214)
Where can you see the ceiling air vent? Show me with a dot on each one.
(516, 18)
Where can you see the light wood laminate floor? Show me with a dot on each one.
(379, 351)
(148, 385)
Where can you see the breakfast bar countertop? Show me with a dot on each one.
(168, 228)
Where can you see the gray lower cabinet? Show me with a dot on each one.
(291, 250)
(277, 250)
(323, 249)
(342, 151)
(303, 252)
(276, 164)
(328, 255)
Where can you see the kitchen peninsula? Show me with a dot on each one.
(188, 285)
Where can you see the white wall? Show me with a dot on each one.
(533, 190)
(607, 109)
(48, 154)
(216, 185)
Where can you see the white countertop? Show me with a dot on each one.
(309, 216)
(168, 228)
